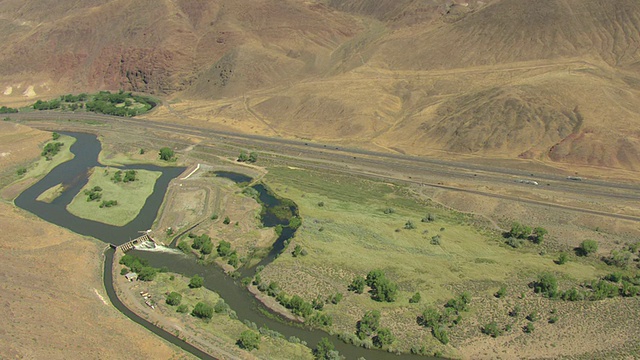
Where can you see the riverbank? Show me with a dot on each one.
(216, 337)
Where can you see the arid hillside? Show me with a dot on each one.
(550, 80)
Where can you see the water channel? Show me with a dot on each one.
(74, 175)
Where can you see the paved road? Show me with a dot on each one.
(415, 169)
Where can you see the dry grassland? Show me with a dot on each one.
(54, 304)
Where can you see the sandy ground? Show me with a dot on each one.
(53, 301)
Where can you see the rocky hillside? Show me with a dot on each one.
(553, 80)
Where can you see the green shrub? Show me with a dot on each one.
(562, 258)
(183, 309)
(492, 329)
(587, 247)
(529, 328)
(440, 333)
(415, 298)
(547, 285)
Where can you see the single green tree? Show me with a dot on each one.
(206, 248)
(202, 310)
(196, 282)
(166, 154)
(226, 220)
(501, 292)
(174, 299)
(253, 156)
(55, 136)
(430, 317)
(249, 340)
(224, 248)
(243, 157)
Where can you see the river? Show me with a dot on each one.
(74, 175)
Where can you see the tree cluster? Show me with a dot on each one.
(382, 289)
(438, 321)
(139, 266)
(298, 305)
(129, 176)
(166, 154)
(224, 250)
(8, 110)
(51, 149)
(325, 350)
(519, 233)
(47, 105)
(612, 285)
(108, 203)
(202, 242)
(252, 157)
(94, 194)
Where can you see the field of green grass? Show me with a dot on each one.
(347, 233)
(221, 325)
(130, 196)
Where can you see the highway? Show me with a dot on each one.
(420, 170)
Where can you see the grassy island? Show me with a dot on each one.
(112, 196)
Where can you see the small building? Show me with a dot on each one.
(131, 276)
